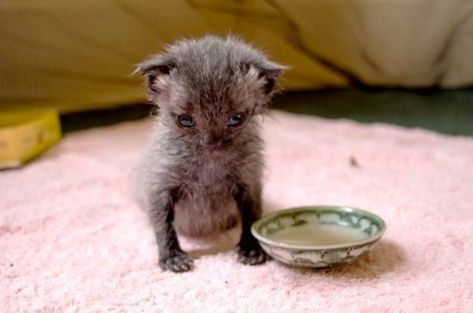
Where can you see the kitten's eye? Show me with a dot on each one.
(185, 120)
(235, 120)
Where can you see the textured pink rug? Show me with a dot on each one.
(72, 240)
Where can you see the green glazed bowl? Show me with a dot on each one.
(318, 236)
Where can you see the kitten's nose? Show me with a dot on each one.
(209, 139)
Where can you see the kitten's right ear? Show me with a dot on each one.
(156, 72)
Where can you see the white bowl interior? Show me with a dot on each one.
(319, 226)
(318, 234)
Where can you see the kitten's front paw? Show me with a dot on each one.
(252, 256)
(177, 262)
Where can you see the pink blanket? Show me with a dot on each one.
(72, 239)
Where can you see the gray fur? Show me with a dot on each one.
(206, 178)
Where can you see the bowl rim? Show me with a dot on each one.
(343, 208)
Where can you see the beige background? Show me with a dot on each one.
(78, 54)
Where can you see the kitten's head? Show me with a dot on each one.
(209, 90)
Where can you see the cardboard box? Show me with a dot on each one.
(26, 134)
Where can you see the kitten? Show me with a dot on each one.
(201, 172)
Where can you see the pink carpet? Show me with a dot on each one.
(72, 240)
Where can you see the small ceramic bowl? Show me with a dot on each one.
(318, 236)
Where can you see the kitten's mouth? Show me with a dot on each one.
(215, 148)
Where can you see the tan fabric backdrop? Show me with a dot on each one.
(78, 54)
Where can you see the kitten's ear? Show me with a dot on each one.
(270, 73)
(156, 71)
(262, 77)
(267, 75)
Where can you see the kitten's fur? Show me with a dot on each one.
(205, 178)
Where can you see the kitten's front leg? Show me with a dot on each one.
(171, 256)
(249, 250)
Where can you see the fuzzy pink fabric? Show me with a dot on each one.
(73, 240)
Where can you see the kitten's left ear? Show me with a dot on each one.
(269, 72)
(265, 75)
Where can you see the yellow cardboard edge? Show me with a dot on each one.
(24, 135)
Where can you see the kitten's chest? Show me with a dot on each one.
(207, 172)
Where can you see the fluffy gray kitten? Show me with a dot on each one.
(201, 172)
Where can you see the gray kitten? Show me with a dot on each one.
(202, 170)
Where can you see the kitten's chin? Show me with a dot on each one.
(217, 149)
